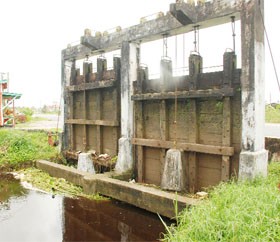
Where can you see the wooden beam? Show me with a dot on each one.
(138, 109)
(206, 149)
(193, 138)
(91, 86)
(163, 132)
(99, 136)
(226, 138)
(216, 93)
(112, 123)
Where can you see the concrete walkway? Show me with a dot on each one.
(145, 197)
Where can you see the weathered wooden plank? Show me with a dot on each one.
(138, 109)
(225, 171)
(140, 164)
(151, 120)
(193, 172)
(113, 123)
(193, 138)
(227, 122)
(91, 85)
(207, 149)
(163, 120)
(85, 117)
(163, 133)
(152, 166)
(226, 138)
(215, 93)
(98, 127)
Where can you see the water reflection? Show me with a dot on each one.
(108, 221)
(27, 215)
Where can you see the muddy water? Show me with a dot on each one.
(27, 215)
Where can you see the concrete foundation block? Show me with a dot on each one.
(125, 158)
(253, 164)
(172, 177)
(85, 163)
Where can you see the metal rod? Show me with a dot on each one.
(233, 31)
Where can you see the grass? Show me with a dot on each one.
(20, 147)
(45, 182)
(235, 211)
(272, 115)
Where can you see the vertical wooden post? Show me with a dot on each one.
(166, 77)
(195, 68)
(226, 138)
(139, 134)
(163, 131)
(99, 140)
(229, 64)
(142, 78)
(85, 118)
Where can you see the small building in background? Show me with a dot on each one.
(7, 102)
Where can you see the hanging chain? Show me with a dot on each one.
(233, 31)
(196, 38)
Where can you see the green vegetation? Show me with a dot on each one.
(20, 147)
(272, 114)
(235, 211)
(28, 112)
(44, 181)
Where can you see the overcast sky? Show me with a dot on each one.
(33, 33)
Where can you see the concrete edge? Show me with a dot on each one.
(145, 197)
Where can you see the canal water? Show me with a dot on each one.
(28, 215)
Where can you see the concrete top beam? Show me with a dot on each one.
(180, 19)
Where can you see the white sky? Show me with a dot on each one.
(33, 33)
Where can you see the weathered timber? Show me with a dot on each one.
(112, 123)
(207, 149)
(226, 138)
(215, 93)
(139, 132)
(92, 85)
(193, 138)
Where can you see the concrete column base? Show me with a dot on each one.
(252, 164)
(125, 158)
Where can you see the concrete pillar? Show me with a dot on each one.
(129, 65)
(166, 75)
(66, 67)
(195, 68)
(253, 158)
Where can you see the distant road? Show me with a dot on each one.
(48, 122)
(272, 130)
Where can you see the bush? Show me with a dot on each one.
(19, 147)
(28, 112)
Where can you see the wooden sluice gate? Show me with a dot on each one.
(124, 113)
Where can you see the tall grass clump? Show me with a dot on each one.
(19, 147)
(235, 211)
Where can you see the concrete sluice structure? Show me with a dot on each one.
(121, 112)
